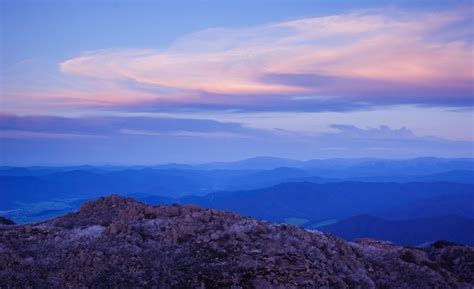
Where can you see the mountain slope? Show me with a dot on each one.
(33, 184)
(320, 202)
(117, 242)
(406, 232)
(360, 166)
(253, 164)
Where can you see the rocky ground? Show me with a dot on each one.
(120, 243)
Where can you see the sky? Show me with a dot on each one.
(145, 82)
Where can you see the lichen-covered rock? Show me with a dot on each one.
(119, 243)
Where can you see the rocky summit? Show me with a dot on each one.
(120, 243)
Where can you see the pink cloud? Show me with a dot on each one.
(384, 56)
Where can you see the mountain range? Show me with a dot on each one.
(411, 232)
(312, 194)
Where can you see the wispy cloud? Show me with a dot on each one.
(382, 132)
(50, 127)
(39, 139)
(340, 62)
(186, 133)
(25, 134)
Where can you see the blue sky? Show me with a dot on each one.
(60, 29)
(311, 79)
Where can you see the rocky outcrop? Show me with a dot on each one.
(117, 242)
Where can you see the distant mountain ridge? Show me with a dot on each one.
(364, 165)
(319, 202)
(311, 193)
(429, 164)
(413, 232)
(34, 184)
